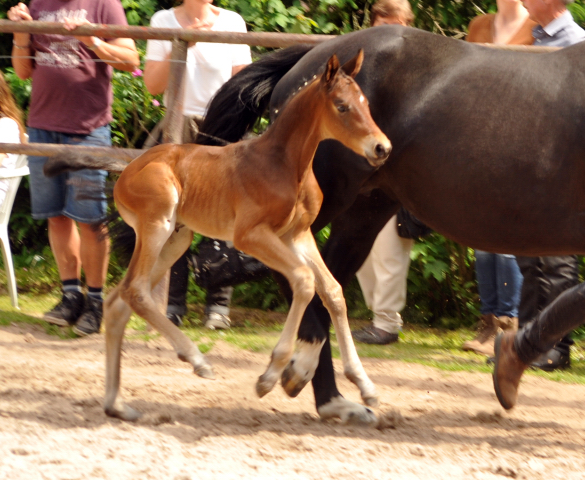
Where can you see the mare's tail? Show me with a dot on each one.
(242, 100)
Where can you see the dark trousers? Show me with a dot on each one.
(218, 299)
(545, 278)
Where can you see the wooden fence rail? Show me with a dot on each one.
(259, 39)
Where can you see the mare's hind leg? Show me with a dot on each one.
(266, 246)
(332, 296)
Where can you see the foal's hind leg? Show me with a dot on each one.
(331, 294)
(116, 315)
(137, 290)
(138, 293)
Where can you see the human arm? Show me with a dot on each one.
(21, 51)
(156, 75)
(120, 53)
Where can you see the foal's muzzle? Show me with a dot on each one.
(379, 152)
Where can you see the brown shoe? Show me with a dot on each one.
(508, 370)
(507, 323)
(486, 333)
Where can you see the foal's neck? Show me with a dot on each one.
(296, 132)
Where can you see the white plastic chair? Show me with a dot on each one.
(14, 175)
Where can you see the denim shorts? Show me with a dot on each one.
(55, 196)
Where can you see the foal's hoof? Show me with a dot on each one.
(291, 381)
(371, 401)
(124, 413)
(205, 371)
(264, 386)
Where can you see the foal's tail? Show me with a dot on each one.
(242, 100)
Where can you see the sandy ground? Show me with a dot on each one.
(440, 425)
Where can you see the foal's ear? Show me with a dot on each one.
(353, 67)
(330, 72)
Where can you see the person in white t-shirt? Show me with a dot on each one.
(209, 66)
(11, 130)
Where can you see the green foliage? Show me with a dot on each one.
(138, 12)
(21, 89)
(441, 284)
(135, 111)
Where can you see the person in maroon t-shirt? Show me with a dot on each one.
(71, 104)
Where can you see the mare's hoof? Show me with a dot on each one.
(360, 418)
(350, 413)
(205, 371)
(291, 381)
(125, 413)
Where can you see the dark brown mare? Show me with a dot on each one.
(488, 149)
(259, 193)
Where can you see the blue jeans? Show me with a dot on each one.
(499, 283)
(55, 196)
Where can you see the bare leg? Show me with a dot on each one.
(94, 253)
(65, 245)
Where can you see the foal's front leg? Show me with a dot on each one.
(263, 244)
(331, 294)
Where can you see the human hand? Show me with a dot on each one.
(72, 23)
(20, 13)
(199, 25)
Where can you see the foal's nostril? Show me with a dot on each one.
(381, 151)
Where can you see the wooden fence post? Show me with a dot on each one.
(173, 122)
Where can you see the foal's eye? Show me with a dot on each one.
(342, 107)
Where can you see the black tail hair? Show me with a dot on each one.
(243, 99)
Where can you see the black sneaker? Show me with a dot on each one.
(90, 320)
(552, 360)
(67, 311)
(374, 336)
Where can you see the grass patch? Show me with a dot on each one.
(258, 331)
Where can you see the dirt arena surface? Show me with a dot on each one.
(438, 425)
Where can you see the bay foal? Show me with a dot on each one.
(259, 193)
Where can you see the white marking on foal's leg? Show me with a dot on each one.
(350, 413)
(301, 369)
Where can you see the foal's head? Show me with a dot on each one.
(346, 115)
